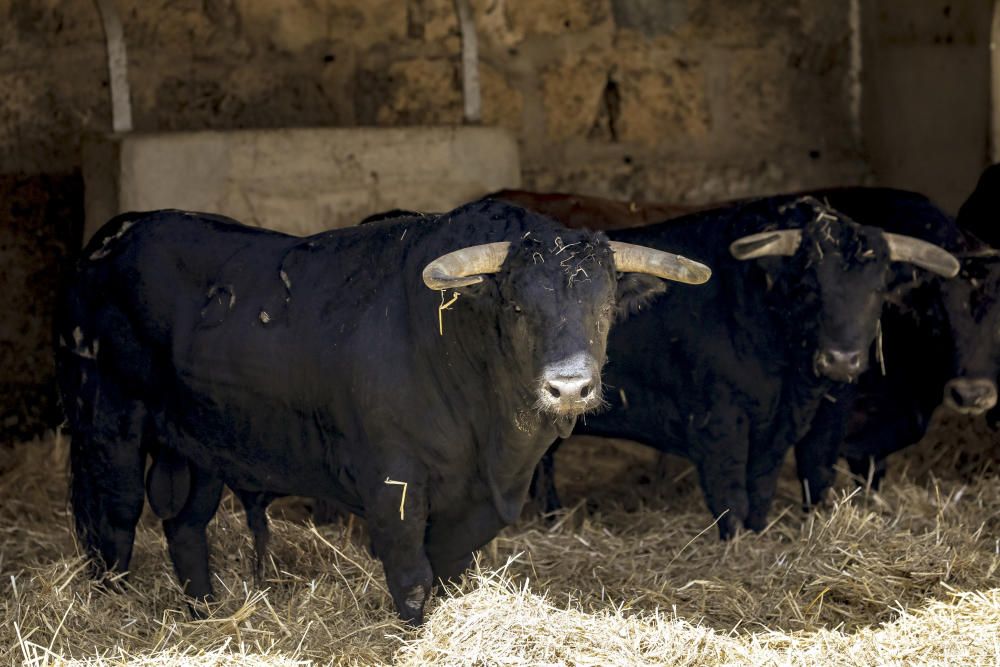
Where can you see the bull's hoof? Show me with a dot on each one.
(200, 608)
(729, 527)
(756, 523)
(110, 582)
(412, 609)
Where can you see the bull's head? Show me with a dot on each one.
(972, 305)
(555, 294)
(845, 270)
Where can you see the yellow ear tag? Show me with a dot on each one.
(443, 307)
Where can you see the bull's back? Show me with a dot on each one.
(698, 345)
(146, 276)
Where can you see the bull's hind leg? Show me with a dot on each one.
(723, 481)
(720, 447)
(107, 463)
(187, 540)
(255, 505)
(450, 538)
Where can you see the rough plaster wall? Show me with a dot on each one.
(680, 100)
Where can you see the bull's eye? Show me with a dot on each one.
(517, 308)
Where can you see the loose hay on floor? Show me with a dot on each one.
(502, 623)
(875, 578)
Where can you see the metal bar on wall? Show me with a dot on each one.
(995, 84)
(114, 36)
(855, 68)
(470, 61)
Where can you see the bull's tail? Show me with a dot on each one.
(105, 425)
(74, 372)
(84, 498)
(106, 460)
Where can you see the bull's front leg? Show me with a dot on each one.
(396, 509)
(762, 481)
(816, 453)
(816, 442)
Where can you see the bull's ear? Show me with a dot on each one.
(636, 291)
(487, 288)
(779, 243)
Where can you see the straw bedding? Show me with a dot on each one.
(633, 575)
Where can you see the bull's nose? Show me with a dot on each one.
(972, 396)
(575, 388)
(571, 385)
(839, 364)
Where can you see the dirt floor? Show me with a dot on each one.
(630, 573)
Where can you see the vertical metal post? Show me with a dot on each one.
(114, 36)
(855, 68)
(995, 84)
(470, 62)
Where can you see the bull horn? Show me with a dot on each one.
(925, 255)
(465, 266)
(767, 244)
(631, 258)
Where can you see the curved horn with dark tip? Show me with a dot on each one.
(925, 255)
(465, 266)
(782, 243)
(631, 258)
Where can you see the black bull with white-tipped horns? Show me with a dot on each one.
(413, 370)
(732, 374)
(940, 342)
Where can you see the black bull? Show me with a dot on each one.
(326, 367)
(731, 375)
(940, 344)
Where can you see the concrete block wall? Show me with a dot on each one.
(298, 181)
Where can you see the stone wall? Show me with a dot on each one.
(680, 100)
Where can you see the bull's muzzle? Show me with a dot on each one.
(571, 386)
(839, 365)
(970, 396)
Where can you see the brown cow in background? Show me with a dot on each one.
(583, 212)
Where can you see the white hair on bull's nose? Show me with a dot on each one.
(574, 365)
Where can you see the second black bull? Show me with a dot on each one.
(731, 374)
(941, 342)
